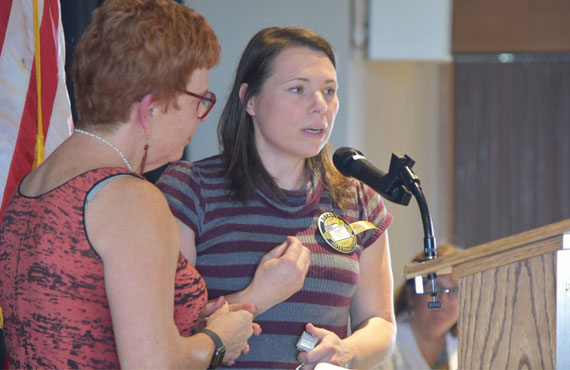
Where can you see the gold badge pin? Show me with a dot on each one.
(337, 232)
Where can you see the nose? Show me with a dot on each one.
(320, 104)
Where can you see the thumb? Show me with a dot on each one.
(276, 252)
(317, 332)
(225, 307)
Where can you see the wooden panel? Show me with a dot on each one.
(507, 316)
(512, 145)
(545, 239)
(485, 26)
(563, 309)
(505, 257)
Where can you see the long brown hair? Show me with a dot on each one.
(245, 171)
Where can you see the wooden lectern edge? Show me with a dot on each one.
(445, 265)
(440, 265)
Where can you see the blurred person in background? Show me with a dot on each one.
(426, 338)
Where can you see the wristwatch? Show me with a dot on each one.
(219, 348)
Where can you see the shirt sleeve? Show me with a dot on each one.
(371, 208)
(180, 183)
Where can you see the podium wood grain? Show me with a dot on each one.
(506, 317)
(514, 299)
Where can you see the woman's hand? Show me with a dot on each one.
(280, 274)
(329, 349)
(234, 325)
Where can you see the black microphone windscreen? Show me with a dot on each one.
(342, 158)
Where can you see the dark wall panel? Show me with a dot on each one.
(512, 147)
(496, 26)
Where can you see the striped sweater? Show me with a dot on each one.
(231, 238)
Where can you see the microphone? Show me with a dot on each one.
(352, 163)
(395, 186)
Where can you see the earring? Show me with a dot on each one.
(151, 112)
(143, 162)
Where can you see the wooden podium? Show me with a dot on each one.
(514, 299)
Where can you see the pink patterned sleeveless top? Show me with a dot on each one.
(52, 286)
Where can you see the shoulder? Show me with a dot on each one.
(184, 172)
(367, 203)
(191, 187)
(366, 194)
(358, 193)
(128, 208)
(131, 188)
(129, 198)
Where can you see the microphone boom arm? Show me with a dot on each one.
(401, 166)
(412, 183)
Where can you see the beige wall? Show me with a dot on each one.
(404, 107)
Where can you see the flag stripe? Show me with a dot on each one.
(5, 7)
(61, 122)
(15, 65)
(23, 154)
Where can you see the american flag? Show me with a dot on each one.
(35, 113)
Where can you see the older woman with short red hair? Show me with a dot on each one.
(92, 274)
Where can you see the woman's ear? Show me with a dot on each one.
(250, 103)
(146, 112)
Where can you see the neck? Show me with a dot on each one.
(107, 143)
(431, 344)
(288, 176)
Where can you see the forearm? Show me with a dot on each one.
(248, 296)
(195, 352)
(280, 274)
(168, 351)
(370, 343)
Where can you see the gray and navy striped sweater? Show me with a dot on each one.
(231, 238)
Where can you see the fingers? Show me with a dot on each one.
(250, 307)
(302, 357)
(299, 255)
(276, 252)
(329, 348)
(256, 328)
(294, 248)
(213, 306)
(298, 251)
(290, 248)
(234, 328)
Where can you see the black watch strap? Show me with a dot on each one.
(219, 350)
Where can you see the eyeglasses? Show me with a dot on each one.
(206, 104)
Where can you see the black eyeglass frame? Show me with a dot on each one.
(211, 101)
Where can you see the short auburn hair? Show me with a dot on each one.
(136, 47)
